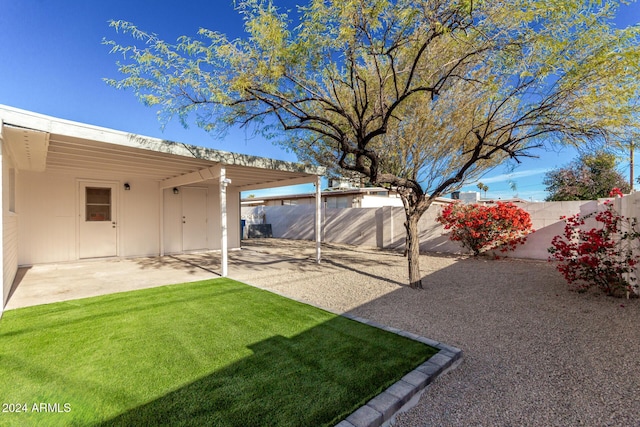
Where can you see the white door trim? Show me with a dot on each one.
(200, 235)
(80, 213)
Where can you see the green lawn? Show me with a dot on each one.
(215, 352)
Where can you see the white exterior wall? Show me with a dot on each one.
(172, 212)
(370, 201)
(48, 205)
(9, 228)
(139, 220)
(172, 222)
(49, 210)
(10, 252)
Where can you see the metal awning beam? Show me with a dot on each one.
(192, 178)
(280, 183)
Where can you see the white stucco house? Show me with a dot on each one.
(72, 191)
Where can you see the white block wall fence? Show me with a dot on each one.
(384, 227)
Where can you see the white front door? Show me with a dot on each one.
(98, 234)
(194, 218)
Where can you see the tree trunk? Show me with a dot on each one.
(413, 250)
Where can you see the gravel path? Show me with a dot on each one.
(535, 353)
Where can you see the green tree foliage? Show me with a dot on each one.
(590, 177)
(417, 95)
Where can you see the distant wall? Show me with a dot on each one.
(384, 227)
(354, 226)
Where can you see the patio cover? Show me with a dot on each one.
(37, 142)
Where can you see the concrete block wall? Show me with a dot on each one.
(355, 226)
(545, 218)
(287, 222)
(384, 227)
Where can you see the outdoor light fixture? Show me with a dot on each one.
(127, 187)
(176, 190)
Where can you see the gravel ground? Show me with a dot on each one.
(535, 354)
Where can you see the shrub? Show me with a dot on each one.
(480, 228)
(604, 256)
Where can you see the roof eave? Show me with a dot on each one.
(39, 122)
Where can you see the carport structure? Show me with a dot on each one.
(73, 191)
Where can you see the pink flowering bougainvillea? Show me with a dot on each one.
(615, 191)
(480, 228)
(604, 256)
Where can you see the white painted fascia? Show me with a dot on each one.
(53, 125)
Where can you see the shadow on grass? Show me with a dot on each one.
(315, 378)
(76, 312)
(215, 352)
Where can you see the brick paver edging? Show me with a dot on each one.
(385, 405)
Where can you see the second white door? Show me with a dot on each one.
(194, 219)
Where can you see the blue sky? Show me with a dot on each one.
(52, 62)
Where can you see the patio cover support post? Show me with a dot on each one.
(318, 219)
(6, 286)
(161, 226)
(223, 220)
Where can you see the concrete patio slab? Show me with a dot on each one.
(49, 283)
